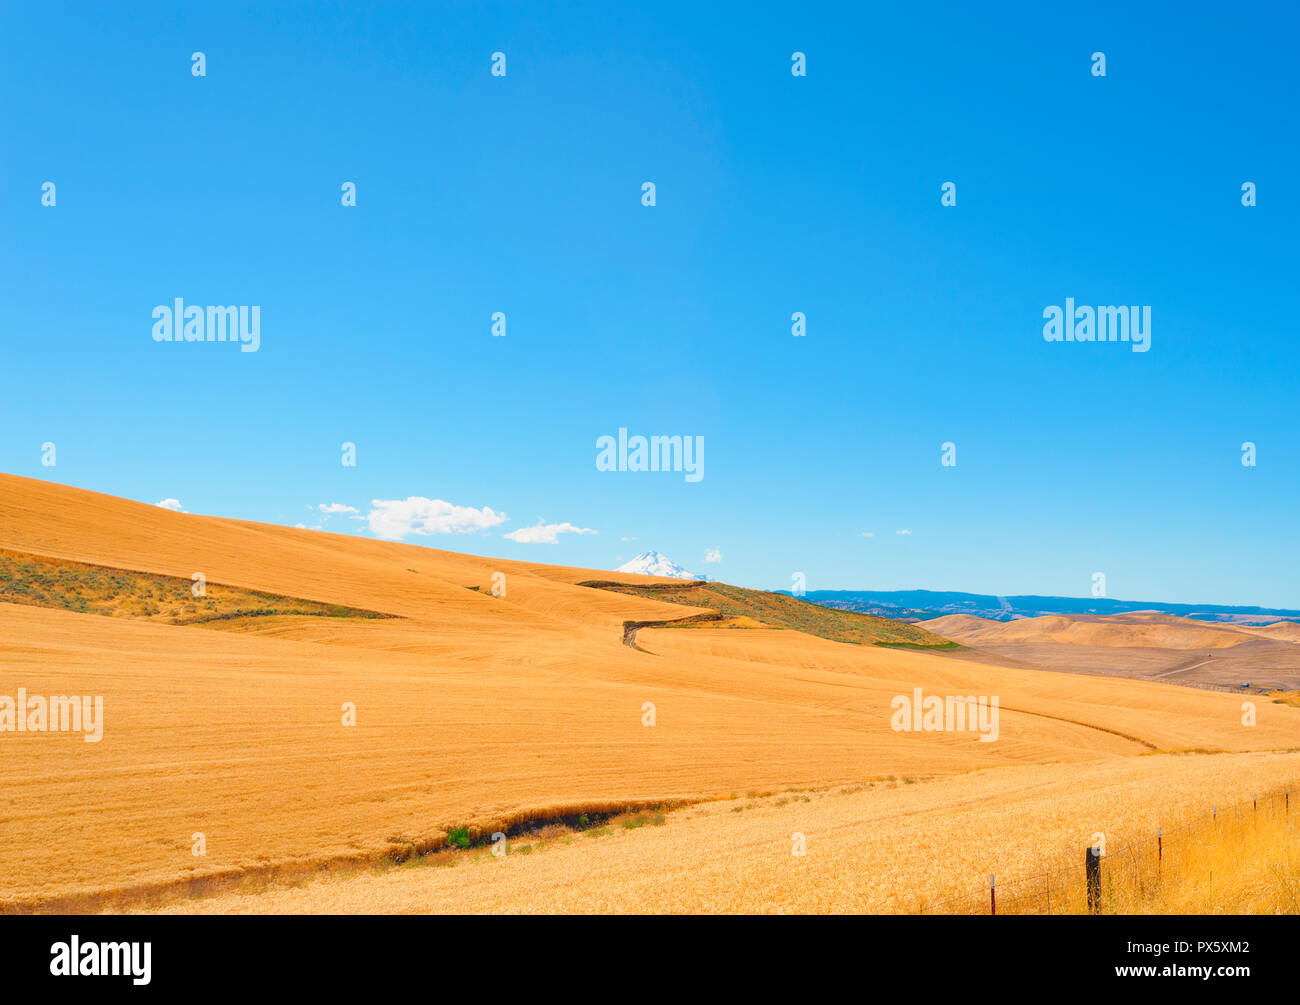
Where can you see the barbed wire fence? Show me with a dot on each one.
(1139, 866)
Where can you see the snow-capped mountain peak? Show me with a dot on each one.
(651, 563)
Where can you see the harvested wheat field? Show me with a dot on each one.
(1143, 646)
(900, 846)
(476, 712)
(1161, 631)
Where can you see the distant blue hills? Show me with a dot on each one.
(920, 605)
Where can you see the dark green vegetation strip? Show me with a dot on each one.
(38, 581)
(780, 611)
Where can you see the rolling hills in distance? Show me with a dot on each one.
(334, 712)
(1143, 645)
(924, 605)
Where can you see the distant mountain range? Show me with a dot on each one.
(921, 605)
(651, 563)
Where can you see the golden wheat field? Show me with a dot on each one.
(480, 712)
(896, 846)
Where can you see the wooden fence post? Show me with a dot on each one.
(1092, 872)
(993, 895)
(1160, 845)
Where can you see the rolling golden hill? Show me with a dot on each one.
(1150, 630)
(470, 709)
(1288, 631)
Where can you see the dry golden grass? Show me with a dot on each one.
(888, 846)
(473, 711)
(1241, 857)
(1243, 861)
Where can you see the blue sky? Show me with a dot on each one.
(775, 194)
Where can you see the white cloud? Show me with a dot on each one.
(868, 533)
(902, 532)
(332, 508)
(712, 555)
(172, 504)
(627, 539)
(545, 533)
(393, 519)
